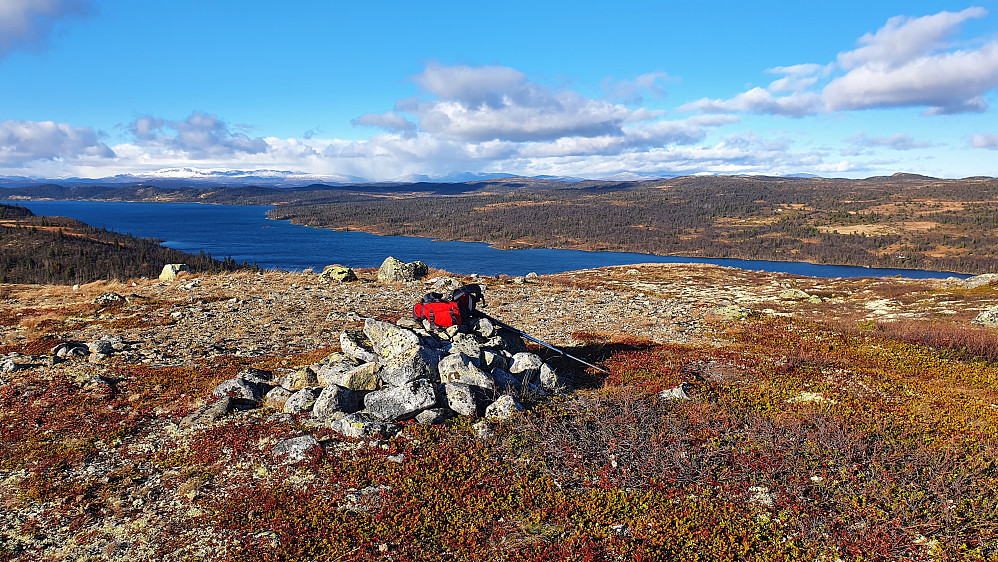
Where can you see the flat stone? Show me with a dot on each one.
(297, 448)
(401, 402)
(388, 339)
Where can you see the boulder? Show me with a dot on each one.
(70, 349)
(337, 274)
(329, 372)
(502, 408)
(979, 280)
(171, 270)
(468, 345)
(987, 318)
(209, 412)
(335, 398)
(388, 339)
(505, 382)
(7, 365)
(401, 402)
(362, 424)
(549, 378)
(492, 360)
(415, 363)
(297, 448)
(434, 416)
(681, 392)
(483, 327)
(300, 379)
(462, 398)
(794, 294)
(395, 271)
(277, 398)
(100, 346)
(460, 368)
(238, 388)
(361, 377)
(357, 345)
(526, 366)
(108, 299)
(302, 401)
(731, 312)
(257, 376)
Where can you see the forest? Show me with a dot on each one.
(59, 250)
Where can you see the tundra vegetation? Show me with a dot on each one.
(821, 429)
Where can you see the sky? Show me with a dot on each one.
(402, 90)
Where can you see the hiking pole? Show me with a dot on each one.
(539, 342)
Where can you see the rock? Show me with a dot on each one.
(302, 378)
(804, 397)
(328, 373)
(171, 270)
(388, 339)
(357, 345)
(364, 500)
(468, 345)
(508, 340)
(761, 496)
(979, 280)
(256, 376)
(108, 299)
(335, 398)
(532, 276)
(506, 382)
(434, 416)
(401, 402)
(395, 271)
(502, 408)
(483, 327)
(462, 398)
(492, 360)
(987, 318)
(7, 365)
(238, 388)
(337, 274)
(527, 366)
(302, 401)
(483, 429)
(680, 392)
(814, 299)
(362, 424)
(460, 368)
(297, 448)
(70, 349)
(277, 398)
(549, 379)
(209, 412)
(100, 346)
(794, 294)
(416, 363)
(731, 312)
(362, 377)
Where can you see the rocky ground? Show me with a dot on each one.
(98, 463)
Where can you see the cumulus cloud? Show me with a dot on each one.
(629, 91)
(758, 100)
(25, 141)
(984, 140)
(26, 23)
(909, 63)
(199, 136)
(899, 141)
(389, 121)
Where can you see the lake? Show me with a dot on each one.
(245, 234)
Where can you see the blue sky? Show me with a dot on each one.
(387, 90)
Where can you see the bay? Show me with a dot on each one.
(245, 234)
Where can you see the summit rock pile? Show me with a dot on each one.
(388, 373)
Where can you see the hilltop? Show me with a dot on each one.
(820, 419)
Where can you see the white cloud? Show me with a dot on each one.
(26, 23)
(984, 140)
(629, 91)
(758, 100)
(899, 141)
(26, 141)
(199, 136)
(389, 121)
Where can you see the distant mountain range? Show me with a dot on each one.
(179, 177)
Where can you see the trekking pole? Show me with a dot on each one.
(539, 342)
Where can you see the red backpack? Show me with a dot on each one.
(454, 310)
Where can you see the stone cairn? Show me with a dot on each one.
(389, 373)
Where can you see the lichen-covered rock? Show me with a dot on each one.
(388, 339)
(302, 400)
(483, 327)
(209, 412)
(549, 378)
(731, 312)
(362, 424)
(460, 368)
(468, 345)
(493, 360)
(335, 398)
(276, 398)
(979, 280)
(297, 448)
(239, 388)
(334, 367)
(502, 408)
(416, 363)
(462, 398)
(357, 345)
(108, 299)
(257, 376)
(171, 270)
(300, 379)
(337, 274)
(987, 318)
(434, 416)
(681, 392)
(395, 271)
(361, 377)
(526, 366)
(794, 294)
(401, 402)
(70, 349)
(7, 365)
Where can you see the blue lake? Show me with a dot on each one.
(245, 234)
